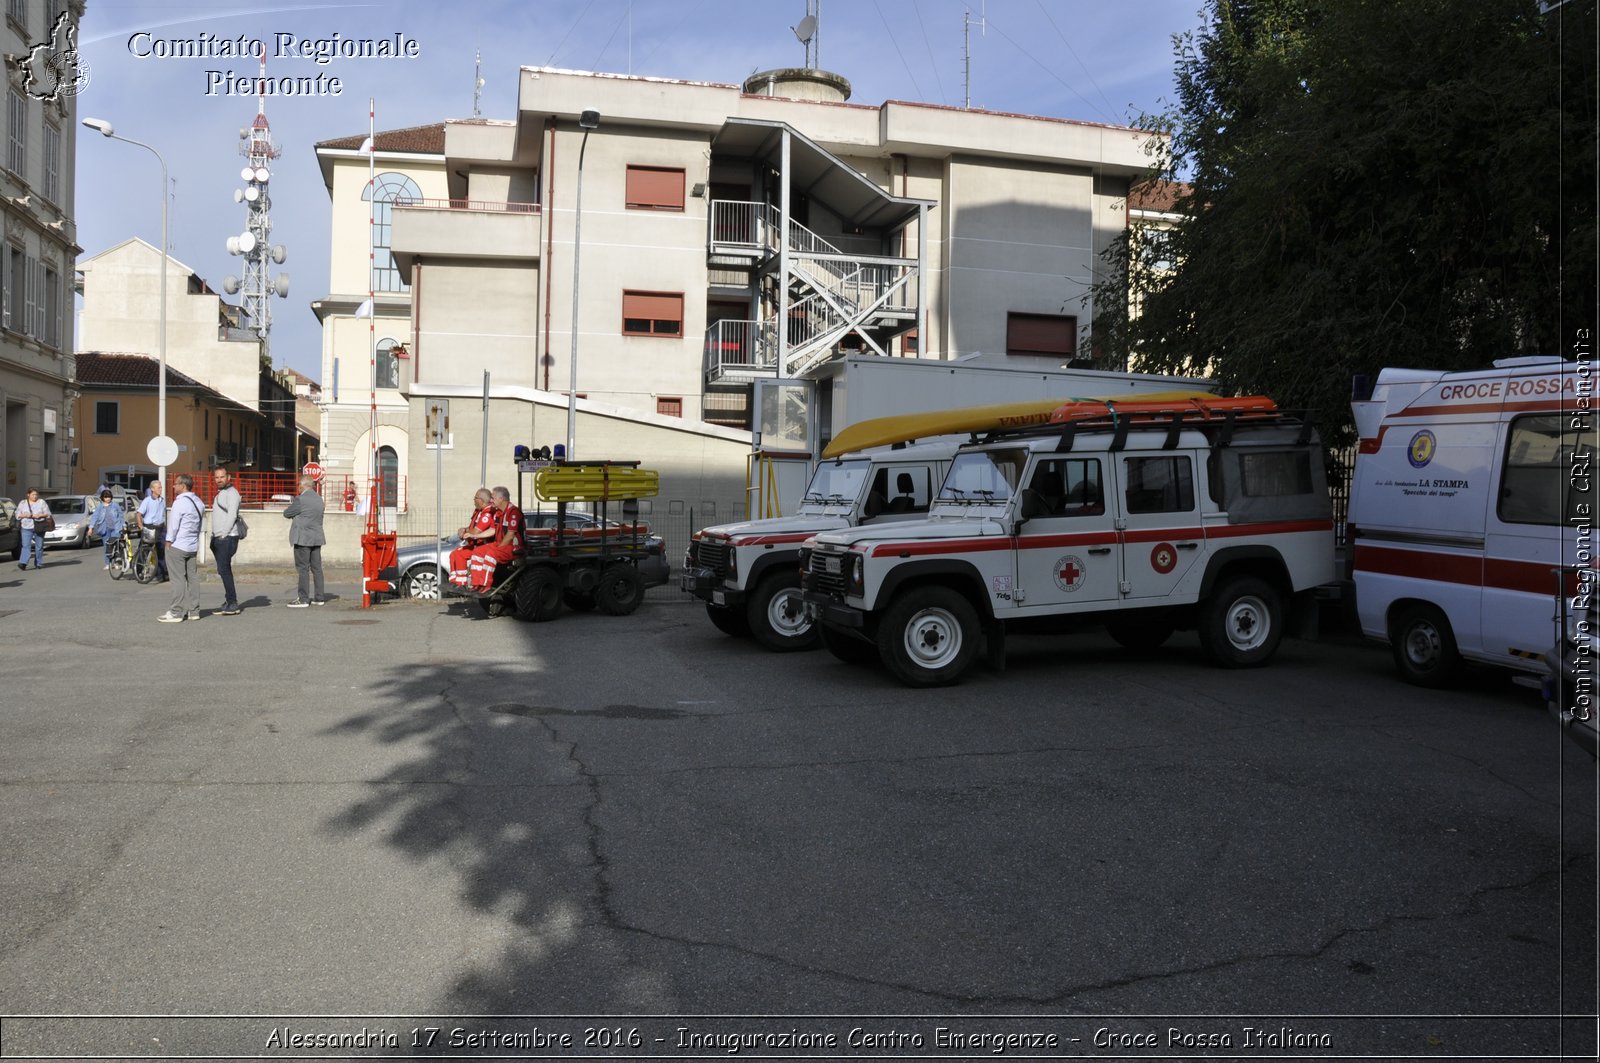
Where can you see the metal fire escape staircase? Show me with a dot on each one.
(823, 293)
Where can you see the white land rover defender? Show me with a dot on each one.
(1212, 515)
(748, 574)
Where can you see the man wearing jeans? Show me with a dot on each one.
(225, 537)
(184, 518)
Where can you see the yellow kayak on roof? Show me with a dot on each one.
(904, 427)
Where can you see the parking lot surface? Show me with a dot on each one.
(414, 810)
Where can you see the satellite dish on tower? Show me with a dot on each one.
(252, 193)
(238, 196)
(247, 242)
(233, 245)
(230, 284)
(279, 253)
(262, 174)
(280, 284)
(806, 30)
(246, 174)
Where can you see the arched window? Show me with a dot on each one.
(388, 364)
(385, 189)
(388, 477)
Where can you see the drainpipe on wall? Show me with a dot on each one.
(549, 240)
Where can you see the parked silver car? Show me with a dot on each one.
(72, 513)
(417, 577)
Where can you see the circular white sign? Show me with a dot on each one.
(162, 451)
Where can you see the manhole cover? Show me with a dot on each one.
(354, 623)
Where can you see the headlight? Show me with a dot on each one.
(858, 574)
(733, 561)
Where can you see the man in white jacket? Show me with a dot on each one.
(225, 528)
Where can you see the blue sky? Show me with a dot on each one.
(1094, 61)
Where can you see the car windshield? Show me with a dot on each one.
(837, 483)
(984, 477)
(67, 505)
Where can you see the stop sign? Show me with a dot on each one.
(313, 470)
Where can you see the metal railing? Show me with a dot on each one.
(340, 491)
(487, 205)
(740, 224)
(737, 345)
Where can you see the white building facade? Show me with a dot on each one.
(730, 237)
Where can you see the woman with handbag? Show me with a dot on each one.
(36, 520)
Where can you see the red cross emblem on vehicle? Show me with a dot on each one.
(1069, 572)
(1163, 558)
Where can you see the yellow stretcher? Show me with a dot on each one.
(595, 482)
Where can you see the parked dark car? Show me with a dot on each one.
(10, 530)
(417, 576)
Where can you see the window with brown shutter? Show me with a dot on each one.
(668, 407)
(1052, 334)
(652, 313)
(654, 188)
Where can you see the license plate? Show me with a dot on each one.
(718, 598)
(832, 565)
(686, 582)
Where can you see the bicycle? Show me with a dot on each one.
(144, 559)
(122, 554)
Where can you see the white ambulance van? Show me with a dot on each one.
(1472, 491)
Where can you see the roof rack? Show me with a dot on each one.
(1218, 419)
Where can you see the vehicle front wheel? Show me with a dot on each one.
(1241, 623)
(929, 637)
(421, 582)
(728, 621)
(538, 594)
(777, 615)
(619, 591)
(1424, 646)
(847, 648)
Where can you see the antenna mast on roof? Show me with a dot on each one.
(259, 148)
(966, 45)
(477, 82)
(807, 32)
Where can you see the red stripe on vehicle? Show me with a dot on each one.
(1281, 527)
(1470, 570)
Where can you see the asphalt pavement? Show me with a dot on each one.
(415, 811)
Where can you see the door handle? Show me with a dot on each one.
(1188, 546)
(1100, 549)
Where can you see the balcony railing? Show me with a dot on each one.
(490, 205)
(735, 348)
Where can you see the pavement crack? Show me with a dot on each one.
(602, 868)
(1486, 769)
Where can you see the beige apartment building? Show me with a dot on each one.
(732, 237)
(37, 168)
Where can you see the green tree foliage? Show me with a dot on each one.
(1371, 183)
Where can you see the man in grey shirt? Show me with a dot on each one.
(305, 535)
(225, 537)
(184, 518)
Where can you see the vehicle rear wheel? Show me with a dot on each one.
(929, 637)
(1143, 630)
(1424, 646)
(421, 582)
(619, 591)
(847, 648)
(1241, 623)
(538, 594)
(728, 621)
(777, 615)
(578, 601)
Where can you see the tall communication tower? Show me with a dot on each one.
(252, 245)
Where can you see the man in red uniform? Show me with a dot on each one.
(482, 529)
(509, 546)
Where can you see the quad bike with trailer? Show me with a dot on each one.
(585, 568)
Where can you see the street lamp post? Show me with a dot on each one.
(589, 120)
(103, 127)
